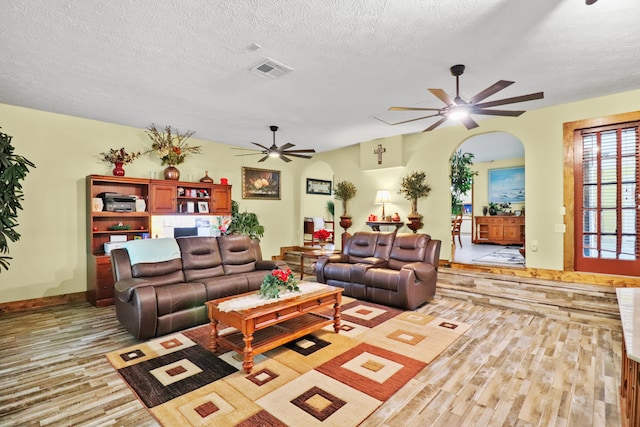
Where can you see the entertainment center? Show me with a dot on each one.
(161, 197)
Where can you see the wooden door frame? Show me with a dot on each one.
(569, 129)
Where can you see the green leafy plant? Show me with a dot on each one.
(246, 223)
(278, 280)
(461, 178)
(414, 186)
(13, 169)
(345, 191)
(331, 206)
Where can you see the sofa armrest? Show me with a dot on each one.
(124, 288)
(422, 271)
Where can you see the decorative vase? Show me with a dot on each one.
(415, 222)
(485, 209)
(322, 244)
(118, 171)
(345, 222)
(206, 178)
(171, 172)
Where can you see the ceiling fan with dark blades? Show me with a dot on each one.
(275, 151)
(458, 108)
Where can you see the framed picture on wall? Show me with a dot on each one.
(262, 184)
(506, 185)
(318, 186)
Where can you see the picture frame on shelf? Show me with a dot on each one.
(260, 184)
(203, 207)
(318, 186)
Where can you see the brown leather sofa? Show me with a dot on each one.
(162, 284)
(387, 268)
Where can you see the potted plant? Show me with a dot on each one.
(13, 169)
(461, 178)
(345, 191)
(414, 186)
(118, 158)
(171, 147)
(246, 223)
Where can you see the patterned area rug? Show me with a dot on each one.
(322, 379)
(503, 256)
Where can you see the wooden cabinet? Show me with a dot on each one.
(221, 200)
(160, 198)
(190, 198)
(163, 198)
(499, 229)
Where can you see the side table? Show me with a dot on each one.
(375, 225)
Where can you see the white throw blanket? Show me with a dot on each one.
(152, 250)
(318, 223)
(255, 300)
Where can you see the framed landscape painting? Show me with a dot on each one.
(506, 185)
(263, 184)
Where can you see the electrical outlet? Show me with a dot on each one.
(563, 210)
(534, 245)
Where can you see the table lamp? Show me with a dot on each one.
(382, 197)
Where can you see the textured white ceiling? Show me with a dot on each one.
(185, 63)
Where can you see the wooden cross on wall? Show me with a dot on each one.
(379, 152)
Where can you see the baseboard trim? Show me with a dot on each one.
(30, 304)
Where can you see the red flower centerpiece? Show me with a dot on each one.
(276, 281)
(322, 235)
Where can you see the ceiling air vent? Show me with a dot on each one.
(271, 69)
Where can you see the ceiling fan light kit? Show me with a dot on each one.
(459, 109)
(278, 152)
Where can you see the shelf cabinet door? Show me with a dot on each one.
(221, 200)
(163, 198)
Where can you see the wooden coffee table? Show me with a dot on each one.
(269, 326)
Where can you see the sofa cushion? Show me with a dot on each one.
(200, 257)
(224, 286)
(238, 254)
(159, 273)
(361, 245)
(407, 248)
(179, 296)
(382, 278)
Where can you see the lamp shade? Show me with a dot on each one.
(382, 197)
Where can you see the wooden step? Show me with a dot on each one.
(578, 302)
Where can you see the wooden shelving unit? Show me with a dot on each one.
(161, 198)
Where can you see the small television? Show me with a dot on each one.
(185, 231)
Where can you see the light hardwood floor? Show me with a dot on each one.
(511, 368)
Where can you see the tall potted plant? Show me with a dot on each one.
(414, 186)
(345, 191)
(461, 178)
(13, 169)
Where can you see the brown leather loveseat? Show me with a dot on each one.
(387, 268)
(162, 284)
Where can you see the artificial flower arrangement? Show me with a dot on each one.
(171, 145)
(276, 281)
(120, 155)
(322, 234)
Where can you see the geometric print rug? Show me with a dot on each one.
(321, 379)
